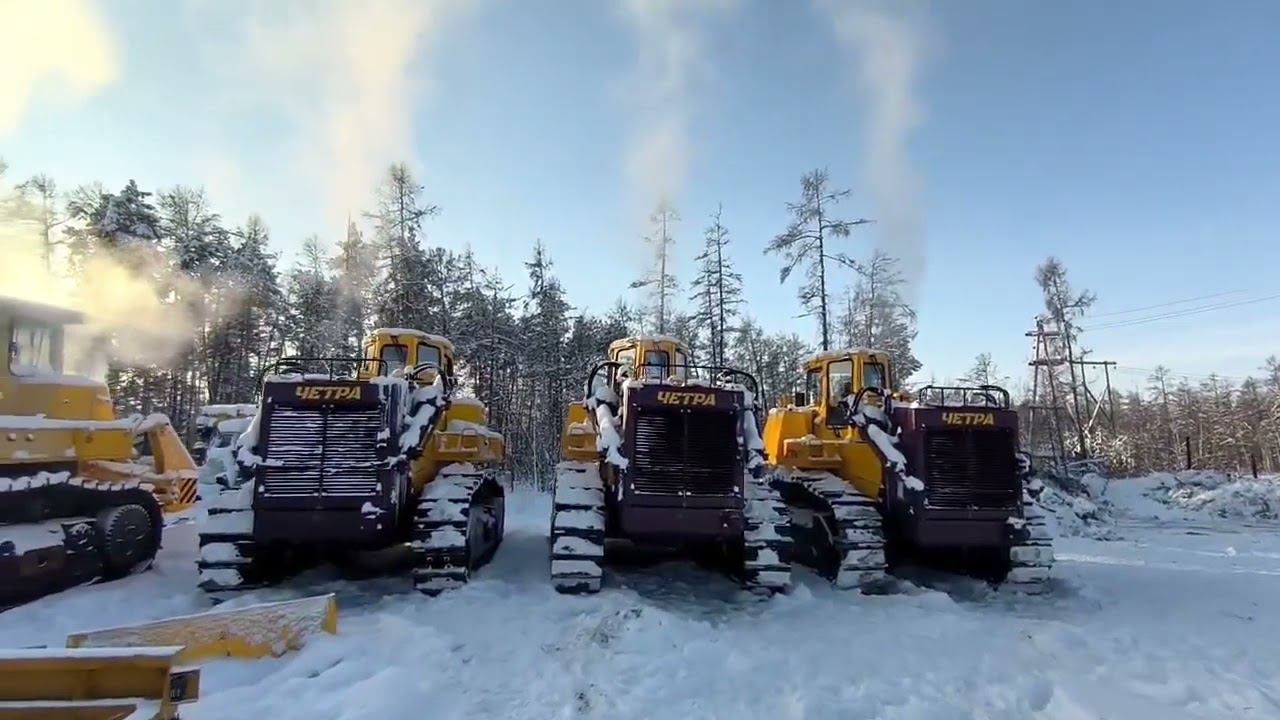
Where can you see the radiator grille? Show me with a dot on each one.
(685, 453)
(971, 469)
(321, 452)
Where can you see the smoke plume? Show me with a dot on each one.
(57, 48)
(345, 77)
(127, 297)
(672, 58)
(887, 41)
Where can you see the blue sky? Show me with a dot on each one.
(1136, 140)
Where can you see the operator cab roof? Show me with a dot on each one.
(39, 312)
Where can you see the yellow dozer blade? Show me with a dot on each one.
(97, 684)
(245, 633)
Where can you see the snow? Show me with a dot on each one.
(234, 425)
(1173, 621)
(40, 479)
(26, 537)
(410, 332)
(464, 426)
(426, 399)
(839, 354)
(608, 441)
(370, 510)
(232, 409)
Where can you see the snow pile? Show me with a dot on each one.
(1075, 515)
(1168, 496)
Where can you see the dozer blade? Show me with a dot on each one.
(245, 633)
(94, 684)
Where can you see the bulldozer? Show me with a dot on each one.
(875, 480)
(83, 493)
(346, 458)
(664, 453)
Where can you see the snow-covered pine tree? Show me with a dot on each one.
(805, 242)
(404, 269)
(716, 290)
(355, 272)
(984, 372)
(876, 316)
(198, 247)
(660, 278)
(545, 326)
(315, 323)
(252, 336)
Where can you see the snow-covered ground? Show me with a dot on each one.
(1174, 617)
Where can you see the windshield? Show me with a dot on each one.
(655, 364)
(394, 357)
(429, 354)
(873, 376)
(31, 349)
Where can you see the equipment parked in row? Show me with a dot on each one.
(664, 453)
(873, 481)
(82, 493)
(347, 456)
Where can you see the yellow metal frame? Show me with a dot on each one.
(97, 684)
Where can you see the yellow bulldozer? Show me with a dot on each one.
(874, 480)
(347, 458)
(663, 453)
(82, 493)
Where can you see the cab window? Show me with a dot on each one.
(627, 360)
(813, 386)
(31, 349)
(429, 354)
(655, 364)
(681, 369)
(394, 357)
(840, 380)
(873, 376)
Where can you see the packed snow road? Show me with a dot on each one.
(1170, 620)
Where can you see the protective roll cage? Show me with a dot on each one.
(991, 396)
(716, 375)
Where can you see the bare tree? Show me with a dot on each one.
(805, 242)
(660, 277)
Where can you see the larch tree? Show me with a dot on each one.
(806, 243)
(717, 289)
(660, 278)
(876, 316)
(403, 269)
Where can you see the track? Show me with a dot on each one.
(228, 560)
(457, 527)
(577, 528)
(58, 531)
(1031, 559)
(767, 545)
(836, 530)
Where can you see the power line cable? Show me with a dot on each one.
(1163, 304)
(1179, 313)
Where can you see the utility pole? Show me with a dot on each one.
(1044, 363)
